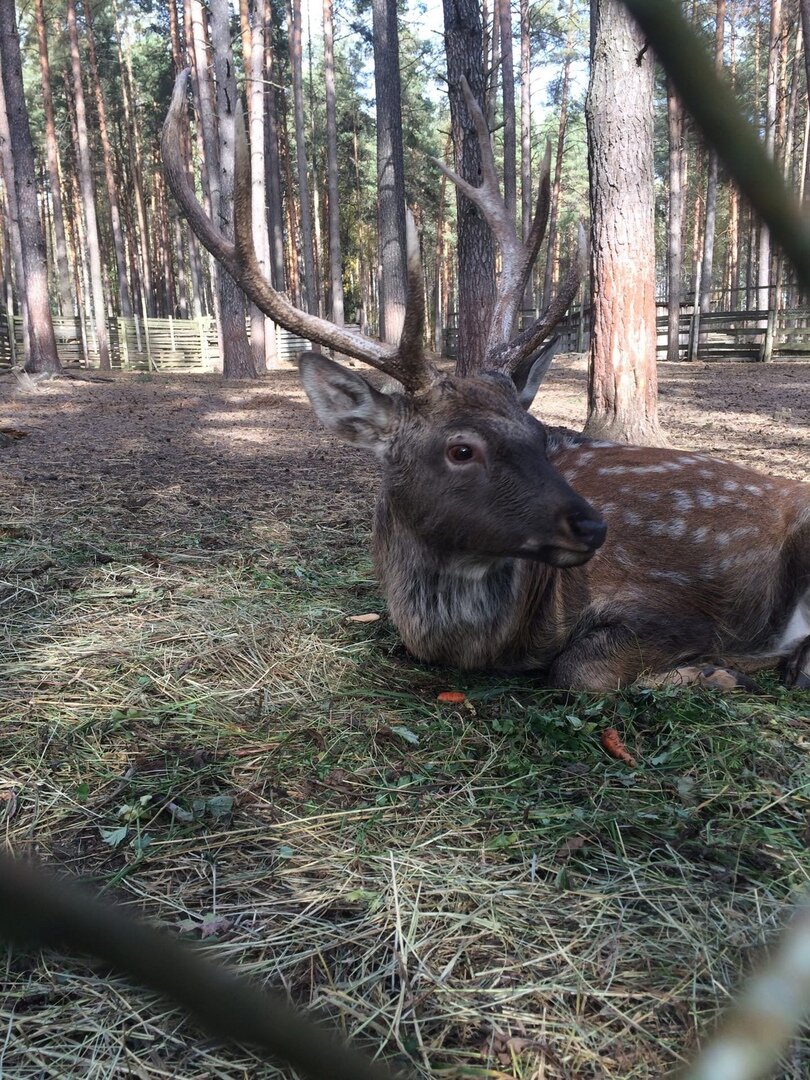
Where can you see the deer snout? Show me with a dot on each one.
(587, 528)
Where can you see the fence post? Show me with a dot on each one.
(12, 342)
(150, 366)
(694, 332)
(770, 332)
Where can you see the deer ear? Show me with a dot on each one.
(345, 403)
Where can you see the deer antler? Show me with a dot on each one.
(407, 363)
(505, 352)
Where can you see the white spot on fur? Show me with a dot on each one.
(753, 489)
(631, 517)
(700, 534)
(613, 470)
(722, 538)
(731, 485)
(706, 499)
(670, 575)
(683, 501)
(608, 508)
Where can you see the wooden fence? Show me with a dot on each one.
(138, 344)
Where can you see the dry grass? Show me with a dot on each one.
(188, 721)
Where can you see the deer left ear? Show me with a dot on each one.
(345, 403)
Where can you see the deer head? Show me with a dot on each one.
(464, 464)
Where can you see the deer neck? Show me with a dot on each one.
(455, 610)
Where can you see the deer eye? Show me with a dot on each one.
(460, 453)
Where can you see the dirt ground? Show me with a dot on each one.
(244, 444)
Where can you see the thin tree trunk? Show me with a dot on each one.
(134, 145)
(85, 169)
(333, 198)
(707, 264)
(504, 10)
(237, 360)
(774, 36)
(272, 161)
(124, 298)
(262, 331)
(556, 187)
(42, 354)
(63, 278)
(622, 391)
(18, 290)
(526, 193)
(296, 61)
(475, 245)
(390, 171)
(674, 225)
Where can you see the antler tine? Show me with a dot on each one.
(538, 230)
(509, 356)
(239, 258)
(415, 370)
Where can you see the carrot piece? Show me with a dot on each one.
(612, 743)
(451, 697)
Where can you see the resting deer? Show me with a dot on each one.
(502, 543)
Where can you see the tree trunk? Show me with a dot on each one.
(674, 225)
(310, 302)
(707, 264)
(333, 199)
(62, 269)
(475, 244)
(85, 168)
(17, 282)
(237, 359)
(504, 10)
(272, 161)
(390, 171)
(42, 354)
(764, 269)
(622, 391)
(109, 172)
(526, 193)
(556, 186)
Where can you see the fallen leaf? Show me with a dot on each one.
(566, 850)
(451, 697)
(612, 743)
(369, 617)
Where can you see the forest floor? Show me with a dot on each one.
(188, 720)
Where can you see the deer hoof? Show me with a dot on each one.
(722, 678)
(796, 668)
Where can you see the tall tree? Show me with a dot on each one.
(775, 32)
(333, 199)
(275, 207)
(237, 360)
(475, 244)
(42, 354)
(707, 263)
(109, 168)
(308, 287)
(390, 170)
(63, 282)
(504, 12)
(675, 128)
(622, 393)
(85, 167)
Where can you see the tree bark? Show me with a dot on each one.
(475, 244)
(85, 167)
(237, 360)
(504, 10)
(310, 300)
(272, 161)
(707, 264)
(526, 193)
(333, 199)
(42, 354)
(62, 269)
(622, 392)
(674, 224)
(774, 36)
(124, 298)
(390, 171)
(556, 186)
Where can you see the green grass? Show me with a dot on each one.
(188, 720)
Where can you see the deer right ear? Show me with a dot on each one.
(345, 403)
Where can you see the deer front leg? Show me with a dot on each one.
(612, 657)
(796, 668)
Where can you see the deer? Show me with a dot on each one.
(505, 544)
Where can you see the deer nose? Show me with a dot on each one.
(587, 529)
